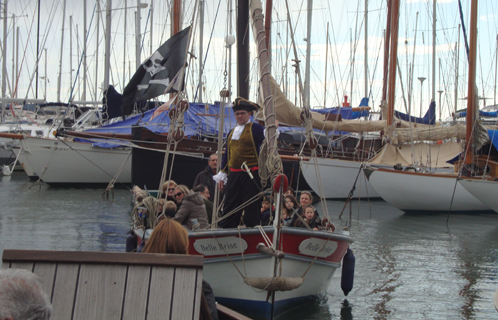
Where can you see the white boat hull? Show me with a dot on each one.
(410, 191)
(230, 255)
(337, 178)
(57, 161)
(484, 190)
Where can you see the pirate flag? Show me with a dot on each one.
(161, 73)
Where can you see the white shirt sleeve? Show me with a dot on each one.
(221, 176)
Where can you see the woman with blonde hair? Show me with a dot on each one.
(168, 189)
(171, 237)
(191, 207)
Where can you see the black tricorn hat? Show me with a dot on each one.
(244, 104)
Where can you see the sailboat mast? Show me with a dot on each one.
(4, 55)
(457, 49)
(393, 60)
(308, 57)
(269, 6)
(85, 31)
(201, 38)
(137, 35)
(107, 53)
(96, 86)
(471, 96)
(386, 50)
(243, 58)
(325, 78)
(433, 96)
(124, 45)
(366, 48)
(61, 52)
(496, 62)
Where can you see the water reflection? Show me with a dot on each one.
(346, 310)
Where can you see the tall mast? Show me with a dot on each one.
(269, 7)
(70, 54)
(471, 96)
(13, 55)
(97, 53)
(37, 46)
(137, 35)
(17, 59)
(393, 60)
(230, 53)
(151, 25)
(308, 57)
(59, 80)
(107, 54)
(243, 58)
(325, 79)
(386, 50)
(201, 38)
(496, 61)
(83, 96)
(457, 64)
(124, 46)
(366, 48)
(433, 95)
(4, 62)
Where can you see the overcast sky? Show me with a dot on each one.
(345, 21)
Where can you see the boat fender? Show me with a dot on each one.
(281, 179)
(131, 242)
(347, 277)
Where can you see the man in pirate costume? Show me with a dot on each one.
(242, 147)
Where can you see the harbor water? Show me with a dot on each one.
(408, 266)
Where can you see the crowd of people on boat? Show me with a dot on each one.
(244, 203)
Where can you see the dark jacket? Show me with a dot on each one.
(209, 209)
(205, 177)
(192, 207)
(265, 217)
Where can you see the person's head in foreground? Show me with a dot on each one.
(22, 296)
(168, 237)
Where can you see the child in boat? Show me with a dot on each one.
(290, 204)
(170, 209)
(265, 212)
(309, 217)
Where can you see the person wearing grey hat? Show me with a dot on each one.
(242, 147)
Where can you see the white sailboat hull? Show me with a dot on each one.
(409, 191)
(56, 161)
(337, 178)
(484, 190)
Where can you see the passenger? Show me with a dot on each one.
(290, 204)
(290, 191)
(204, 191)
(22, 296)
(310, 218)
(169, 208)
(168, 191)
(304, 200)
(266, 212)
(242, 147)
(205, 177)
(170, 237)
(191, 208)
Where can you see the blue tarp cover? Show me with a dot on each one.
(199, 119)
(429, 118)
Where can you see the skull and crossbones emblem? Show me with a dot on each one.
(153, 65)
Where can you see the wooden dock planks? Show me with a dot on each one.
(103, 285)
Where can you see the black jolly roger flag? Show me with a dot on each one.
(157, 73)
